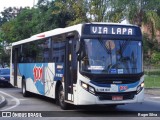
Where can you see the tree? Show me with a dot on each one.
(98, 10)
(8, 14)
(78, 11)
(73, 11)
(139, 12)
(32, 21)
(19, 28)
(155, 58)
(7, 32)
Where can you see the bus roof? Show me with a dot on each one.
(58, 31)
(53, 32)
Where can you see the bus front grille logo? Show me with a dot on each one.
(123, 88)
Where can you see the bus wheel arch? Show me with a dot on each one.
(60, 96)
(58, 84)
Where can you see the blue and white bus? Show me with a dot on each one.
(84, 64)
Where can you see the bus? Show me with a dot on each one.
(85, 64)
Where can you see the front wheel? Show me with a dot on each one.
(61, 98)
(112, 107)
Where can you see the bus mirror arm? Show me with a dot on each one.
(81, 55)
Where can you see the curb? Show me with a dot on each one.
(152, 88)
(3, 101)
(153, 91)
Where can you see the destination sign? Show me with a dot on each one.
(112, 30)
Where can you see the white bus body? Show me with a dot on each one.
(85, 64)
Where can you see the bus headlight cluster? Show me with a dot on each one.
(140, 87)
(88, 87)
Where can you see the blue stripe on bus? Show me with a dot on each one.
(29, 69)
(132, 85)
(129, 86)
(39, 71)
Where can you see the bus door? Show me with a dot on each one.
(15, 63)
(71, 69)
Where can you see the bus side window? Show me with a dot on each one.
(58, 49)
(19, 54)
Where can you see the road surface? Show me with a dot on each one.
(47, 108)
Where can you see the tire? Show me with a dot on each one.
(112, 107)
(61, 96)
(24, 91)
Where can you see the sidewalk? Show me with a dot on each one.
(152, 91)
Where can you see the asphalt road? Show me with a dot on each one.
(38, 104)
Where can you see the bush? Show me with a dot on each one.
(152, 72)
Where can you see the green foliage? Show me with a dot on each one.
(7, 31)
(152, 72)
(152, 81)
(136, 11)
(18, 28)
(9, 14)
(33, 21)
(98, 10)
(155, 58)
(73, 11)
(48, 15)
(4, 58)
(152, 19)
(17, 24)
(151, 51)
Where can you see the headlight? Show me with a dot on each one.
(88, 87)
(142, 84)
(91, 90)
(140, 87)
(84, 85)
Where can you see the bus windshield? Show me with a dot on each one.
(102, 56)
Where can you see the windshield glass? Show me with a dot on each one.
(111, 56)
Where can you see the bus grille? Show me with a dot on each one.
(108, 96)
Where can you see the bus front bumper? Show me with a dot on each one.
(86, 98)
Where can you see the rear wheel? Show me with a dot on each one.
(61, 98)
(24, 91)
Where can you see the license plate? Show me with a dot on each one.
(117, 98)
